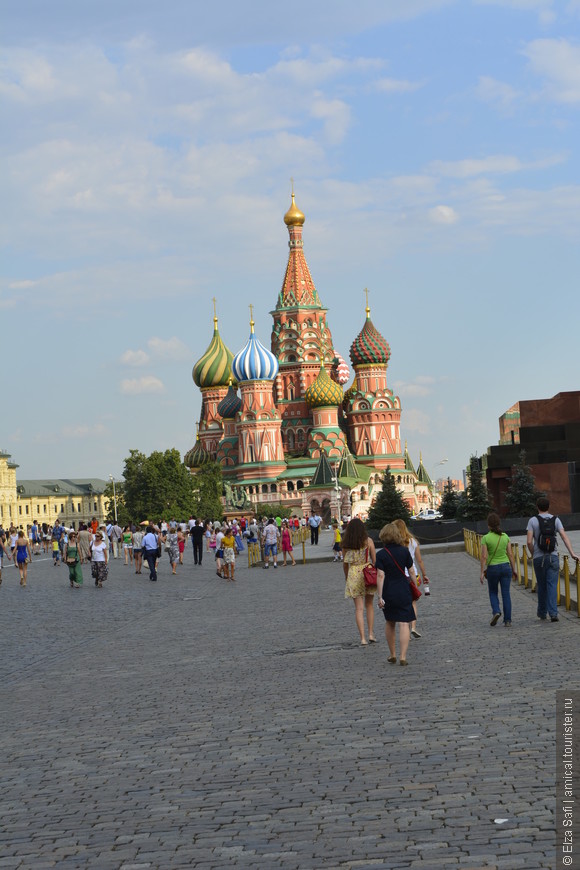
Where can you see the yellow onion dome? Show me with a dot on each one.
(214, 368)
(197, 456)
(348, 395)
(323, 391)
(294, 217)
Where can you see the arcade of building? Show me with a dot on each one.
(292, 435)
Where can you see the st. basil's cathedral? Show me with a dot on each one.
(293, 435)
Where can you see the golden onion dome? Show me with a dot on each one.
(323, 391)
(294, 217)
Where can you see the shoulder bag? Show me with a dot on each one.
(369, 572)
(493, 554)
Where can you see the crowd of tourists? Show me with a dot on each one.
(392, 574)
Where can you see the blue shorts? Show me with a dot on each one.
(271, 549)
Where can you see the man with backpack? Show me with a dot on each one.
(542, 541)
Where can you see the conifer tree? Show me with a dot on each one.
(522, 494)
(477, 498)
(448, 506)
(390, 505)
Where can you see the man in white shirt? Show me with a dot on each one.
(314, 522)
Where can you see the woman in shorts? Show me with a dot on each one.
(22, 555)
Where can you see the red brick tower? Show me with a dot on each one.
(372, 410)
(301, 339)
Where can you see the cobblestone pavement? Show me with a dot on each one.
(197, 723)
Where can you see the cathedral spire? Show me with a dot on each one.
(298, 287)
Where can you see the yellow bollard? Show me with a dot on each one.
(566, 583)
(518, 564)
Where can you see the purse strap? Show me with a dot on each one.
(396, 563)
(496, 546)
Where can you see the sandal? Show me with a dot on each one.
(403, 662)
(392, 660)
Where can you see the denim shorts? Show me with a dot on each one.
(271, 549)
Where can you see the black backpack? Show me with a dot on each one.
(547, 537)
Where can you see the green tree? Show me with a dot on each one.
(118, 494)
(157, 486)
(522, 495)
(274, 510)
(448, 506)
(390, 504)
(477, 498)
(207, 491)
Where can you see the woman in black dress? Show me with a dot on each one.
(394, 590)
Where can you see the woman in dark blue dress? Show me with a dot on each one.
(394, 590)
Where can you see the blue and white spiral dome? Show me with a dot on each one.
(254, 362)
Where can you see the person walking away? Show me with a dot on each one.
(230, 549)
(116, 535)
(84, 538)
(358, 552)
(72, 560)
(270, 540)
(337, 545)
(138, 550)
(128, 545)
(542, 542)
(198, 533)
(498, 566)
(22, 555)
(286, 540)
(99, 560)
(394, 590)
(150, 545)
(3, 552)
(219, 551)
(415, 550)
(55, 552)
(181, 542)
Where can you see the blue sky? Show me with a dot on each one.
(147, 152)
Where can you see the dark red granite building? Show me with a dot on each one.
(549, 432)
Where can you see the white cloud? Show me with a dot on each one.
(417, 421)
(443, 214)
(84, 430)
(495, 164)
(171, 349)
(22, 285)
(134, 358)
(336, 117)
(138, 386)
(419, 387)
(558, 62)
(496, 93)
(397, 86)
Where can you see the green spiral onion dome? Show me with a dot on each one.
(369, 347)
(197, 456)
(214, 369)
(323, 391)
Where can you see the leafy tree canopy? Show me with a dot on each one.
(157, 487)
(117, 493)
(390, 505)
(207, 491)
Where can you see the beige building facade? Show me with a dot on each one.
(70, 501)
(8, 507)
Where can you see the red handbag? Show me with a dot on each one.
(369, 573)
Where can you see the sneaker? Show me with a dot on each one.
(266, 566)
(508, 623)
(543, 618)
(554, 619)
(495, 618)
(415, 633)
(275, 564)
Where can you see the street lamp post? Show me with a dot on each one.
(112, 479)
(337, 487)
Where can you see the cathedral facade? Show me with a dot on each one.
(279, 421)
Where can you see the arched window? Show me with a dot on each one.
(291, 357)
(250, 490)
(264, 487)
(299, 484)
(273, 487)
(291, 441)
(399, 478)
(291, 390)
(290, 486)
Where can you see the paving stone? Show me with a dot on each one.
(248, 728)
